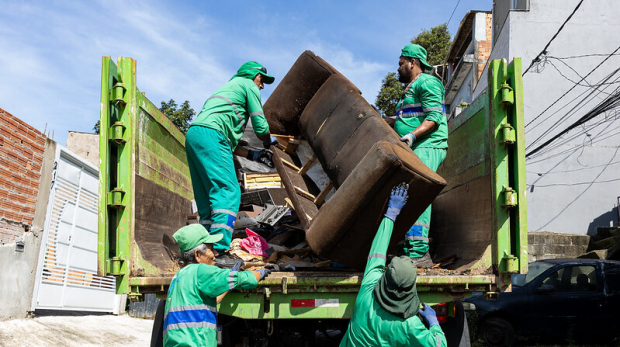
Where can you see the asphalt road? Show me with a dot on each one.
(86, 330)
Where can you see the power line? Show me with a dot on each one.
(573, 87)
(457, 5)
(544, 51)
(586, 55)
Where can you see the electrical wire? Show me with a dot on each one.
(573, 87)
(457, 5)
(544, 51)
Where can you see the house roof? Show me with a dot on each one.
(463, 36)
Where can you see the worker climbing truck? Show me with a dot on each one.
(479, 224)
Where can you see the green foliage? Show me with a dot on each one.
(181, 117)
(388, 95)
(436, 41)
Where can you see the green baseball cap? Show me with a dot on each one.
(190, 236)
(251, 69)
(418, 52)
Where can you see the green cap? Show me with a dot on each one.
(396, 290)
(418, 52)
(190, 236)
(251, 69)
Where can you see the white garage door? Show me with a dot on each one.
(67, 270)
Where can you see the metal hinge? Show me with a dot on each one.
(117, 133)
(113, 266)
(117, 94)
(115, 197)
(511, 264)
(508, 95)
(508, 134)
(510, 198)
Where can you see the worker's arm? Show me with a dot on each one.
(432, 336)
(254, 107)
(378, 251)
(214, 281)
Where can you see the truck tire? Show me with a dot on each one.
(497, 332)
(456, 328)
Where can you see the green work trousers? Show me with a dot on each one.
(416, 239)
(214, 181)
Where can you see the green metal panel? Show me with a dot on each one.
(508, 166)
(145, 189)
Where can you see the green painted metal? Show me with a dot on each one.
(508, 168)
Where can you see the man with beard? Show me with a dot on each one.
(422, 125)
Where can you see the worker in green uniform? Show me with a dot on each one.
(422, 125)
(211, 142)
(190, 317)
(386, 308)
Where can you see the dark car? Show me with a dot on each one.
(561, 298)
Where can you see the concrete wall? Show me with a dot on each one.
(549, 245)
(86, 145)
(18, 269)
(572, 188)
(21, 153)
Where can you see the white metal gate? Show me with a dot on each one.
(67, 270)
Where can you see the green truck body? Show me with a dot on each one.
(145, 195)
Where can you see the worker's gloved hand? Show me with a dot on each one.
(262, 156)
(429, 315)
(398, 199)
(409, 139)
(264, 273)
(237, 266)
(271, 142)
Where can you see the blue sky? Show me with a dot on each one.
(50, 66)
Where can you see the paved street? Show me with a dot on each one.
(102, 330)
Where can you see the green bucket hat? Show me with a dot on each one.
(396, 290)
(251, 69)
(190, 236)
(418, 52)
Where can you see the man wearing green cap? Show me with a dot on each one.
(211, 142)
(190, 317)
(422, 125)
(386, 308)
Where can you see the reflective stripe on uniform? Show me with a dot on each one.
(422, 225)
(403, 107)
(257, 113)
(190, 316)
(231, 280)
(206, 222)
(230, 103)
(377, 255)
(221, 210)
(441, 108)
(416, 238)
(438, 342)
(223, 226)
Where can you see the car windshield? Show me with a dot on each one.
(533, 271)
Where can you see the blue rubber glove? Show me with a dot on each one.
(237, 266)
(263, 273)
(262, 156)
(398, 199)
(409, 139)
(429, 315)
(271, 142)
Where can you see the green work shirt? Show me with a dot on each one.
(190, 318)
(371, 325)
(229, 109)
(424, 100)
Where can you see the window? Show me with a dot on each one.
(573, 279)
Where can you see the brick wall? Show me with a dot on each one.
(483, 48)
(21, 155)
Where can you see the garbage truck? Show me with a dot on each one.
(479, 222)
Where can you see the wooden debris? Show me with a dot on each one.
(307, 165)
(289, 164)
(320, 199)
(304, 193)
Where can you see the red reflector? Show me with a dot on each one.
(442, 312)
(302, 303)
(442, 319)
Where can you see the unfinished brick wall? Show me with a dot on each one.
(483, 47)
(21, 156)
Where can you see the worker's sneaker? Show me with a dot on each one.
(224, 261)
(423, 262)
